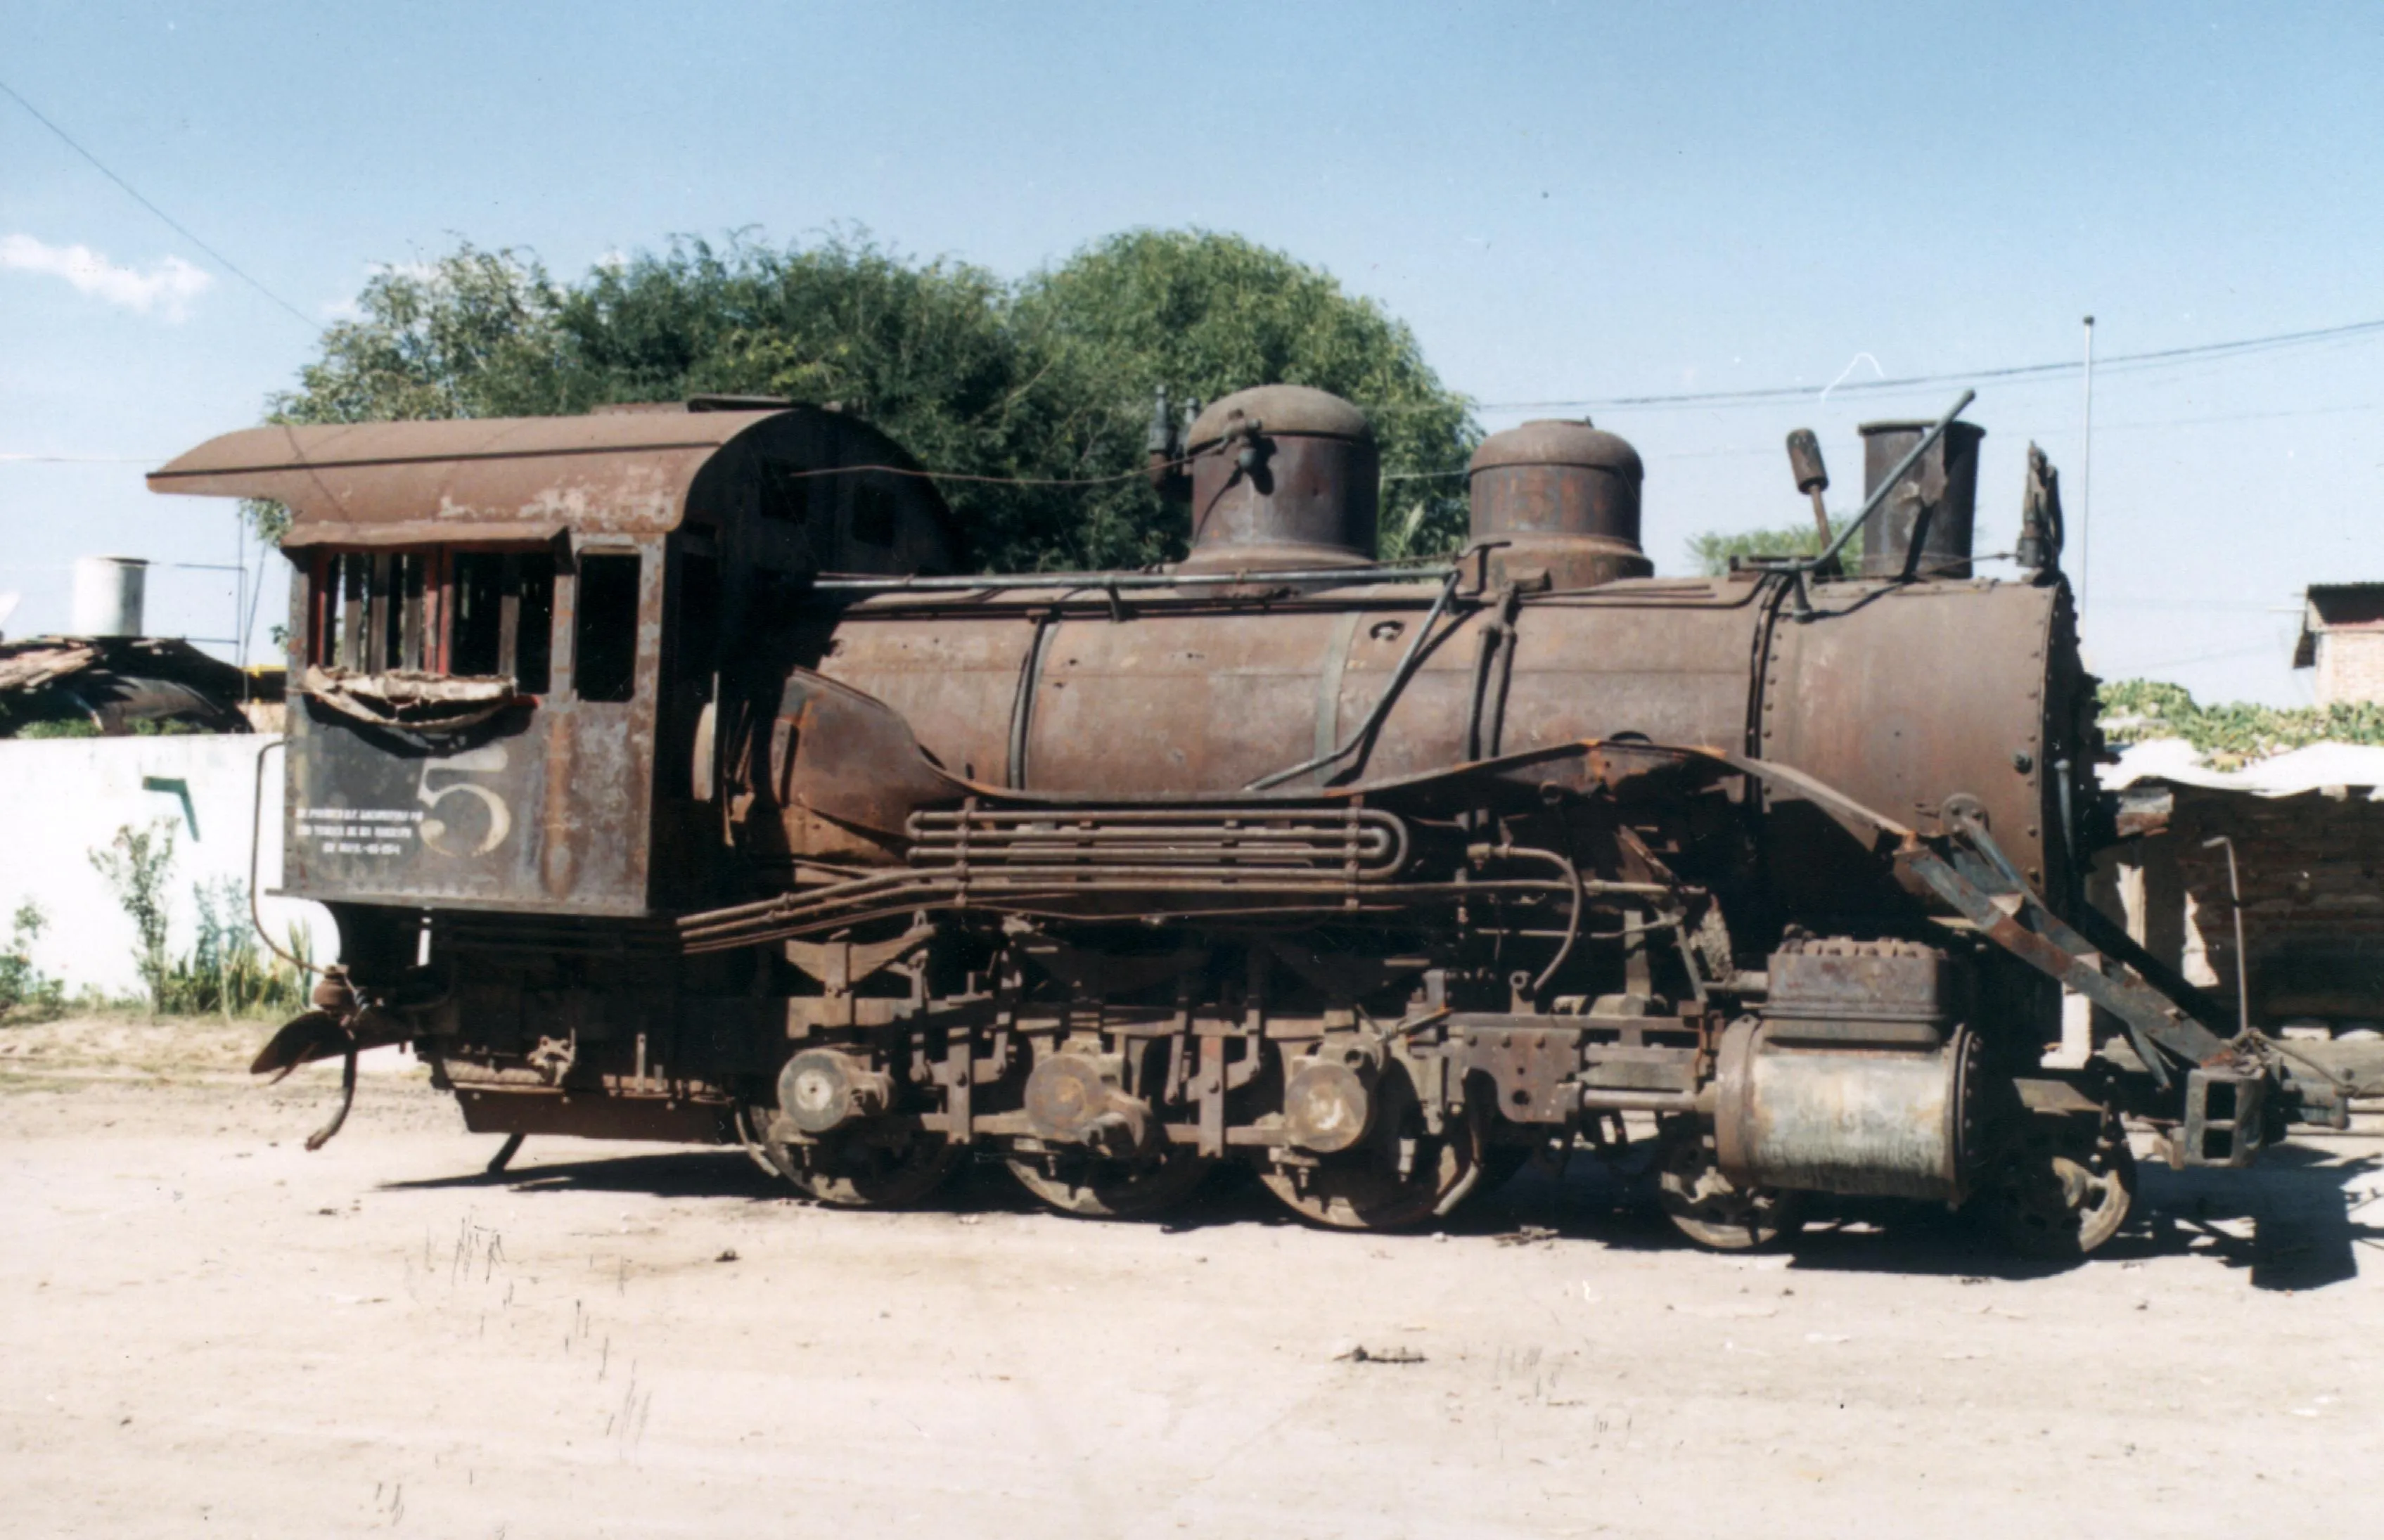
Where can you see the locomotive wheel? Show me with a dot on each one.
(2063, 1187)
(1711, 1209)
(1362, 1190)
(855, 1173)
(1087, 1187)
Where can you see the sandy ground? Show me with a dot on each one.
(208, 1331)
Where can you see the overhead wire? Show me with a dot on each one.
(1748, 452)
(1750, 396)
(2130, 362)
(234, 268)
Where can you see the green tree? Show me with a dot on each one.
(926, 351)
(1047, 380)
(1711, 553)
(472, 334)
(2235, 732)
(25, 990)
(135, 865)
(1200, 314)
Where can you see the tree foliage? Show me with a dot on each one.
(135, 865)
(1046, 379)
(2136, 709)
(26, 993)
(1712, 552)
(1200, 314)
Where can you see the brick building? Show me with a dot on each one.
(2342, 637)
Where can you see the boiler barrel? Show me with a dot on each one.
(1899, 697)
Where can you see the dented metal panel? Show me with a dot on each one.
(544, 806)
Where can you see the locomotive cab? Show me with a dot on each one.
(506, 635)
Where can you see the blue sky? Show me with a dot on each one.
(1566, 201)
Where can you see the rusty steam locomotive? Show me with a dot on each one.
(667, 780)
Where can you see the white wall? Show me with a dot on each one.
(61, 798)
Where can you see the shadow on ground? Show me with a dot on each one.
(2290, 1222)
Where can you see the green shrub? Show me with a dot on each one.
(26, 993)
(135, 865)
(224, 972)
(2134, 711)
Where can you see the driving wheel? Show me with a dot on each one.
(2063, 1186)
(1091, 1187)
(1715, 1211)
(868, 1168)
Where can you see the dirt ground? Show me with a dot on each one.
(208, 1331)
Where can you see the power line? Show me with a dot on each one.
(1687, 397)
(13, 457)
(134, 193)
(2015, 371)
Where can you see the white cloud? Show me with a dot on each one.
(164, 286)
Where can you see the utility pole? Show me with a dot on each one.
(2086, 483)
(240, 591)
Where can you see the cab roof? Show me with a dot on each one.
(620, 471)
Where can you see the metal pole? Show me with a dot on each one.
(240, 593)
(2242, 964)
(2086, 482)
(1886, 485)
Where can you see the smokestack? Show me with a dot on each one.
(1932, 505)
(109, 591)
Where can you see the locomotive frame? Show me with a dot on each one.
(666, 782)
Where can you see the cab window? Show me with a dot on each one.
(604, 635)
(467, 613)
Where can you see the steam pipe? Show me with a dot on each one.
(1871, 504)
(1426, 567)
(1366, 729)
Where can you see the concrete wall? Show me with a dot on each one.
(62, 798)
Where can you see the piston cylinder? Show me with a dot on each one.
(1564, 499)
(1872, 1121)
(1923, 527)
(1284, 477)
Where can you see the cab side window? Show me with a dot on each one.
(469, 613)
(504, 616)
(604, 635)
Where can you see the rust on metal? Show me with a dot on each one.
(1561, 501)
(1283, 477)
(654, 800)
(1924, 526)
